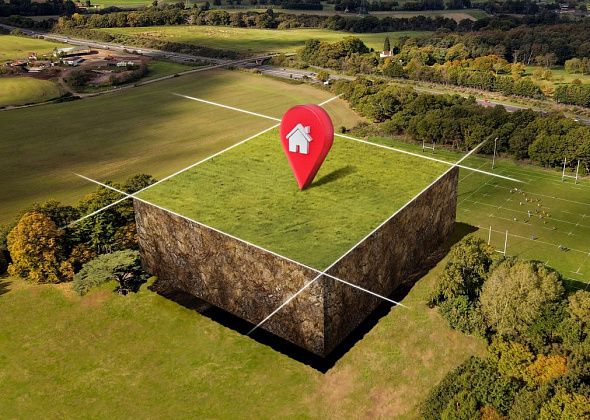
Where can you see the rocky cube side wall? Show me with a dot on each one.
(251, 283)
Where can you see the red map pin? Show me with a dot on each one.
(307, 135)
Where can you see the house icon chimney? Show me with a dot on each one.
(299, 139)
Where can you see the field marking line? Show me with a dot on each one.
(451, 164)
(473, 192)
(395, 149)
(471, 173)
(188, 167)
(403, 207)
(554, 178)
(285, 303)
(537, 240)
(169, 176)
(192, 98)
(199, 223)
(492, 216)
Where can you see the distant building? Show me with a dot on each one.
(384, 54)
(127, 63)
(70, 51)
(73, 61)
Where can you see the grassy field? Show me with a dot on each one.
(159, 68)
(142, 356)
(559, 77)
(26, 90)
(458, 15)
(145, 129)
(252, 40)
(19, 47)
(559, 212)
(250, 192)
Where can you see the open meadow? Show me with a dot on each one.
(26, 90)
(143, 130)
(18, 47)
(144, 354)
(546, 219)
(252, 40)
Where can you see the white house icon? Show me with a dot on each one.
(299, 138)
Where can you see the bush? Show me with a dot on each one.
(467, 268)
(528, 402)
(122, 266)
(463, 406)
(516, 295)
(464, 316)
(478, 377)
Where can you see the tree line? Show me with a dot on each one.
(29, 8)
(461, 123)
(538, 334)
(174, 15)
(44, 246)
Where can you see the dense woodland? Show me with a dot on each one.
(462, 124)
(538, 361)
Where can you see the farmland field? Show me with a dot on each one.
(251, 193)
(143, 130)
(142, 354)
(22, 90)
(252, 40)
(19, 47)
(546, 219)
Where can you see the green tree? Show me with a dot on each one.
(36, 248)
(512, 358)
(515, 295)
(323, 76)
(467, 267)
(122, 266)
(386, 44)
(566, 406)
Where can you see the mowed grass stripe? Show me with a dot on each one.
(140, 130)
(250, 192)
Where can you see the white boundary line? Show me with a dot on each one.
(227, 107)
(320, 273)
(359, 140)
(194, 164)
(453, 165)
(361, 241)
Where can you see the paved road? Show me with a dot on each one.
(148, 52)
(300, 74)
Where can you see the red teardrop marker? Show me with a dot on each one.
(307, 134)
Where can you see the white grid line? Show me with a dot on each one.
(365, 238)
(395, 149)
(320, 273)
(453, 165)
(194, 164)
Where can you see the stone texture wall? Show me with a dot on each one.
(389, 257)
(251, 283)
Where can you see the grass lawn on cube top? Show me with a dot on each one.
(250, 192)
